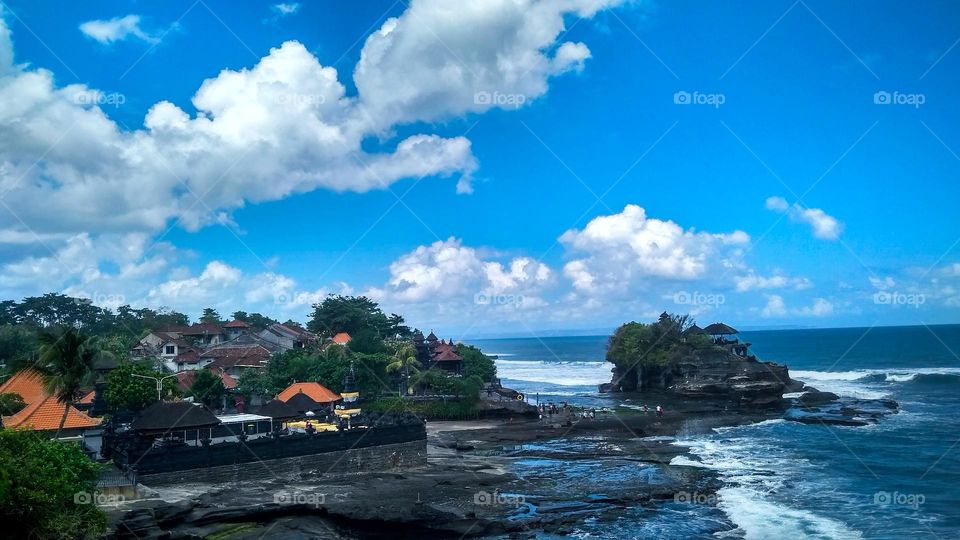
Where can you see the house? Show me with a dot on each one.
(206, 334)
(287, 336)
(341, 339)
(43, 411)
(170, 349)
(185, 380)
(433, 352)
(235, 329)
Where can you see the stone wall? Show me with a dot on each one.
(373, 458)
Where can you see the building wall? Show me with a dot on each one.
(375, 458)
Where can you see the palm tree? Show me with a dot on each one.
(66, 363)
(405, 359)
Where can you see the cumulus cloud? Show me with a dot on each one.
(617, 250)
(441, 58)
(824, 226)
(117, 29)
(775, 307)
(283, 126)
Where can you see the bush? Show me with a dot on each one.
(46, 488)
(427, 410)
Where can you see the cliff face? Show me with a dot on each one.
(715, 374)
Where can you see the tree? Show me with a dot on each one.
(47, 488)
(397, 329)
(475, 363)
(124, 392)
(255, 320)
(210, 315)
(208, 389)
(404, 360)
(17, 346)
(644, 354)
(66, 363)
(11, 404)
(367, 341)
(348, 314)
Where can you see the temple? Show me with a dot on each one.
(433, 352)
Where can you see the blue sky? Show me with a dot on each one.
(212, 157)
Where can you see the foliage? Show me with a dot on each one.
(404, 361)
(208, 389)
(66, 363)
(17, 346)
(46, 488)
(125, 392)
(11, 404)
(439, 381)
(428, 410)
(256, 320)
(349, 314)
(210, 315)
(367, 341)
(328, 368)
(652, 345)
(475, 363)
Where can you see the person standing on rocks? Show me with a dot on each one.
(659, 410)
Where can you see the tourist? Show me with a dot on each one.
(659, 410)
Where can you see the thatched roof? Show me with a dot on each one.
(278, 410)
(174, 415)
(693, 330)
(717, 329)
(302, 403)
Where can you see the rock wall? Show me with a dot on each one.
(374, 458)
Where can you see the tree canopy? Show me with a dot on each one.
(47, 488)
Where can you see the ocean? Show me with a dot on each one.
(897, 479)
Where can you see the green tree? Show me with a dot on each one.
(404, 361)
(18, 344)
(475, 363)
(210, 315)
(67, 359)
(348, 314)
(11, 404)
(46, 488)
(208, 389)
(124, 392)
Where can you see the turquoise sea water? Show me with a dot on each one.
(897, 479)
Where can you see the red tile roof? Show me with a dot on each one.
(313, 390)
(185, 379)
(342, 338)
(236, 324)
(43, 412)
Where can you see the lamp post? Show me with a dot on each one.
(159, 382)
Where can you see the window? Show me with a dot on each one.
(169, 349)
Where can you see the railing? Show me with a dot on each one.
(113, 477)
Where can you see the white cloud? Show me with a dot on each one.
(282, 127)
(286, 8)
(617, 250)
(824, 226)
(117, 29)
(753, 281)
(776, 307)
(443, 58)
(882, 283)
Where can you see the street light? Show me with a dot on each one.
(159, 382)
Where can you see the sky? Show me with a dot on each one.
(487, 168)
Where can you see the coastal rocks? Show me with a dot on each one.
(713, 374)
(827, 408)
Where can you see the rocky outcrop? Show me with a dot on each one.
(715, 373)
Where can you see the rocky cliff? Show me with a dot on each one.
(720, 372)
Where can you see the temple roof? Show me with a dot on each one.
(43, 411)
(174, 415)
(315, 391)
(720, 329)
(276, 408)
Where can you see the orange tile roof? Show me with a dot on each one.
(43, 412)
(342, 338)
(314, 391)
(88, 398)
